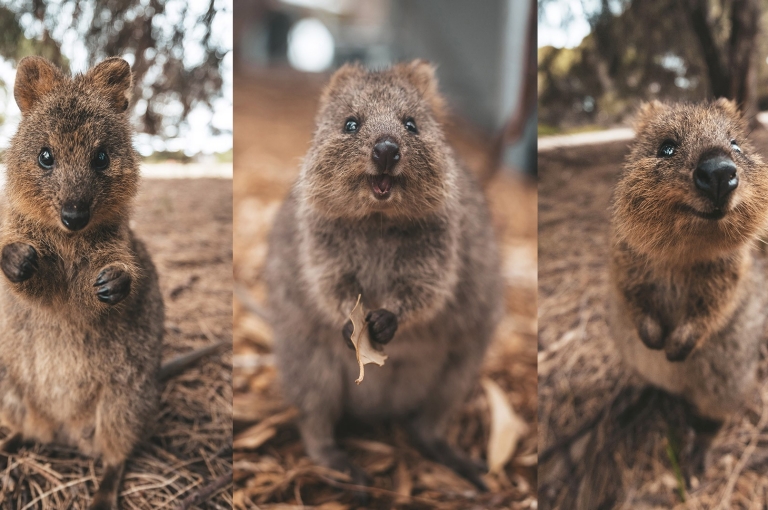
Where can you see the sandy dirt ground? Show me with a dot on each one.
(606, 442)
(187, 227)
(274, 114)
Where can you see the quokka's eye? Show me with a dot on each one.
(100, 160)
(351, 126)
(735, 146)
(45, 159)
(410, 125)
(667, 149)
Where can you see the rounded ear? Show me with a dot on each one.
(729, 106)
(423, 75)
(112, 79)
(35, 78)
(341, 75)
(646, 112)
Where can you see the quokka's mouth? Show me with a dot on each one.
(381, 186)
(718, 213)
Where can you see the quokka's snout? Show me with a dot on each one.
(75, 214)
(716, 176)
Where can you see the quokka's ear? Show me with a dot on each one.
(343, 74)
(646, 112)
(729, 106)
(112, 79)
(35, 78)
(423, 75)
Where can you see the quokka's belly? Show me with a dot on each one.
(403, 384)
(52, 382)
(717, 375)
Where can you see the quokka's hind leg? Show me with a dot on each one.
(437, 449)
(9, 446)
(106, 496)
(427, 427)
(698, 454)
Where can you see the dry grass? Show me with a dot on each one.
(187, 226)
(606, 442)
(273, 129)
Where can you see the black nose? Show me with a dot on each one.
(386, 154)
(75, 215)
(716, 178)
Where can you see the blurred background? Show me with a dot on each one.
(181, 56)
(285, 52)
(179, 51)
(598, 59)
(482, 51)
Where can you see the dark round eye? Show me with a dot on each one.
(351, 126)
(45, 159)
(735, 146)
(410, 125)
(667, 149)
(100, 160)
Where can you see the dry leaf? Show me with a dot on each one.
(403, 482)
(255, 436)
(364, 349)
(506, 427)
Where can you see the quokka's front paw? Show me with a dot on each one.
(651, 332)
(19, 262)
(382, 325)
(112, 285)
(682, 341)
(346, 333)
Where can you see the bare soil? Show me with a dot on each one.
(187, 227)
(607, 441)
(273, 129)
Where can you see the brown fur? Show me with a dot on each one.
(424, 261)
(683, 283)
(75, 369)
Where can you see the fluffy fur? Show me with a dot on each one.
(424, 260)
(80, 311)
(689, 297)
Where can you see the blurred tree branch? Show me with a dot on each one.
(731, 66)
(639, 50)
(177, 58)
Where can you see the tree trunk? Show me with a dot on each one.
(742, 49)
(732, 71)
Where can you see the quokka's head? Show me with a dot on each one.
(379, 146)
(692, 187)
(71, 163)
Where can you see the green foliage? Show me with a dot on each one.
(637, 51)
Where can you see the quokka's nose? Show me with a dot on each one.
(75, 215)
(386, 154)
(716, 178)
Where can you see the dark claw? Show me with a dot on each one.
(341, 463)
(680, 353)
(112, 285)
(681, 348)
(440, 451)
(346, 332)
(18, 261)
(382, 325)
(650, 332)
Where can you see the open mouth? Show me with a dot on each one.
(381, 186)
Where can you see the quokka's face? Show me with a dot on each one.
(71, 164)
(378, 146)
(692, 179)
